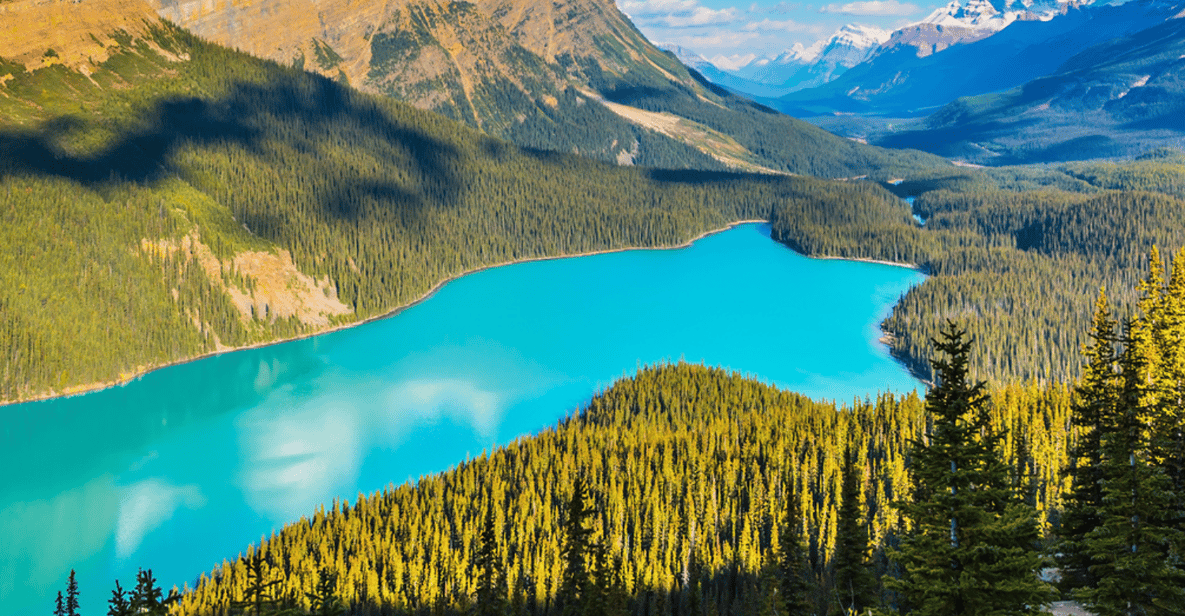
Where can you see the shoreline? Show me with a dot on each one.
(913, 266)
(79, 390)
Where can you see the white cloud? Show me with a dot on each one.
(457, 399)
(784, 25)
(298, 454)
(872, 7)
(145, 505)
(676, 13)
(717, 40)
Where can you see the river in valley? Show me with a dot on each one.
(187, 465)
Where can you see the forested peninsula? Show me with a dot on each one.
(687, 490)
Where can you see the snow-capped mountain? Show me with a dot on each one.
(796, 68)
(962, 22)
(958, 51)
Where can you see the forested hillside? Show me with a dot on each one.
(183, 198)
(689, 470)
(1015, 253)
(1115, 99)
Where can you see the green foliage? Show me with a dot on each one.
(972, 546)
(855, 587)
(797, 581)
(147, 598)
(382, 199)
(576, 584)
(72, 596)
(1094, 399)
(118, 604)
(689, 473)
(1015, 254)
(1134, 543)
(491, 579)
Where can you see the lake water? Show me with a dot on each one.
(184, 467)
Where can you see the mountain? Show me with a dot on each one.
(958, 23)
(958, 53)
(553, 76)
(1119, 98)
(794, 69)
(194, 199)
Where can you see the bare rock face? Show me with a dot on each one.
(76, 33)
(476, 61)
(287, 31)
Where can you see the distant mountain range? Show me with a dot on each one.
(901, 80)
(570, 75)
(966, 48)
(1119, 98)
(798, 68)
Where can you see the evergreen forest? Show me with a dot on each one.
(688, 490)
(127, 196)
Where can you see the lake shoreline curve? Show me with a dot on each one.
(79, 390)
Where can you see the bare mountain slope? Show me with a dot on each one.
(535, 73)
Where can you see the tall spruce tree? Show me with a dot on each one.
(118, 604)
(324, 599)
(259, 594)
(1167, 438)
(1132, 549)
(854, 587)
(972, 549)
(491, 576)
(1093, 413)
(576, 580)
(59, 606)
(72, 595)
(146, 597)
(796, 584)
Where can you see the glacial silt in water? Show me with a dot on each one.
(184, 467)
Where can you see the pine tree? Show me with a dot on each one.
(258, 594)
(1132, 549)
(854, 585)
(972, 549)
(118, 604)
(1167, 438)
(324, 600)
(72, 596)
(146, 596)
(59, 606)
(796, 588)
(1093, 412)
(491, 577)
(576, 580)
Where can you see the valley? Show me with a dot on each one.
(500, 308)
(409, 395)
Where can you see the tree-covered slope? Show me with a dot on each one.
(689, 471)
(178, 198)
(902, 80)
(1017, 254)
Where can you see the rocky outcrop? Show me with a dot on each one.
(77, 33)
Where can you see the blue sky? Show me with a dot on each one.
(728, 27)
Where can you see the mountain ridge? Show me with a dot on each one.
(896, 82)
(1116, 99)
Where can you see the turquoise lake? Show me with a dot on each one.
(189, 464)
